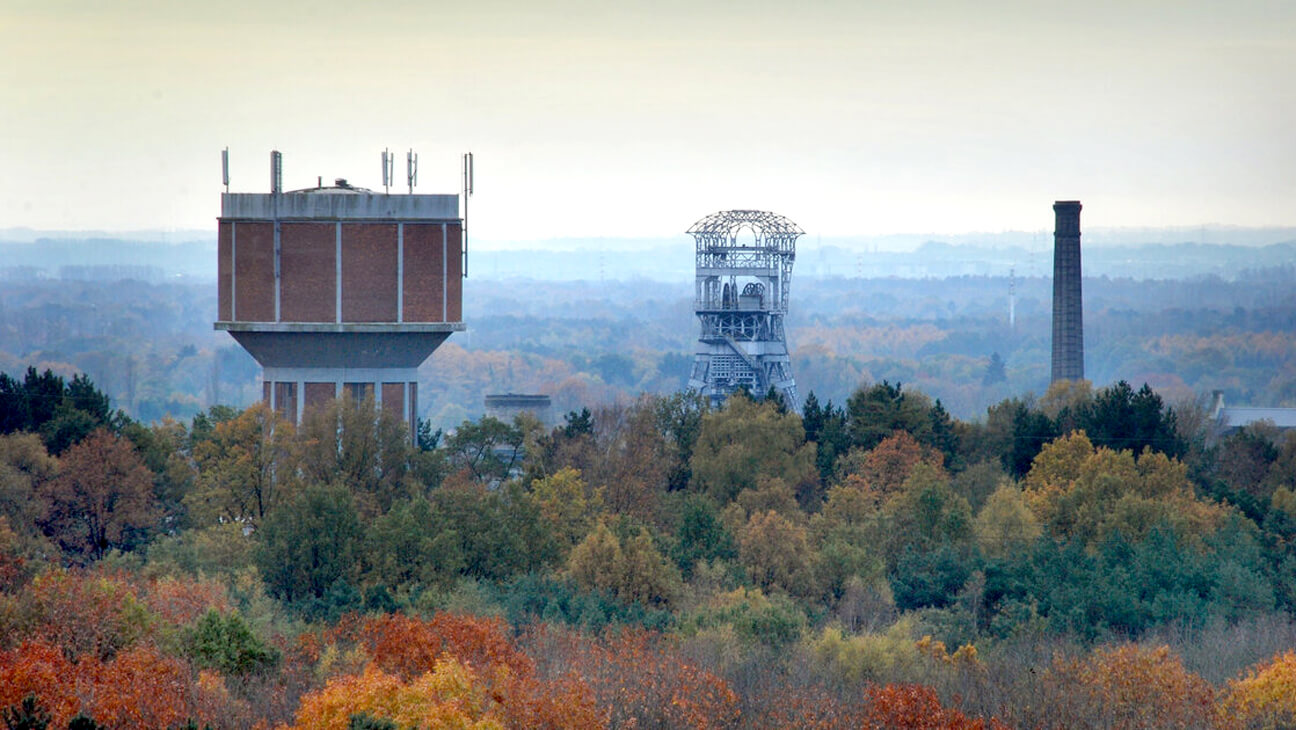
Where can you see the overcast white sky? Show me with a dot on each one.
(629, 119)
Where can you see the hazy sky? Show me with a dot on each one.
(614, 118)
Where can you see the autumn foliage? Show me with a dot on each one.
(1129, 687)
(1264, 698)
(408, 647)
(879, 707)
(915, 707)
(95, 643)
(90, 642)
(638, 678)
(450, 695)
(449, 669)
(140, 687)
(763, 574)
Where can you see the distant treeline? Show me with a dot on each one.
(1160, 254)
(152, 349)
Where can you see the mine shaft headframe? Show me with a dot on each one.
(771, 230)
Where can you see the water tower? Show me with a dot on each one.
(339, 289)
(744, 269)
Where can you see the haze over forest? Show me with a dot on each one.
(592, 321)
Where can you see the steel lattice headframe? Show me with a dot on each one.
(742, 288)
(772, 230)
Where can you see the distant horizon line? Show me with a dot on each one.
(25, 234)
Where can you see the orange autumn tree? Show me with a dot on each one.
(101, 499)
(465, 659)
(916, 707)
(408, 647)
(39, 668)
(638, 678)
(140, 687)
(88, 642)
(889, 707)
(885, 467)
(1128, 687)
(101, 612)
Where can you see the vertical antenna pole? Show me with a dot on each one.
(1012, 300)
(276, 172)
(225, 168)
(411, 169)
(276, 189)
(467, 193)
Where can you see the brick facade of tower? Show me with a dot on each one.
(340, 291)
(1068, 309)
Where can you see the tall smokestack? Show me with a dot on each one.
(1068, 316)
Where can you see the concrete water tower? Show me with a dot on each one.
(339, 289)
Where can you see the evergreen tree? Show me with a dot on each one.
(995, 371)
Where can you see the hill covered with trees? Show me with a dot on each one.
(1090, 558)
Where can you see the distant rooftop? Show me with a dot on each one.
(516, 399)
(1231, 418)
(1239, 416)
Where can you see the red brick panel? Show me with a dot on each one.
(369, 272)
(307, 272)
(359, 392)
(265, 394)
(454, 273)
(393, 399)
(318, 395)
(224, 270)
(423, 276)
(254, 273)
(286, 400)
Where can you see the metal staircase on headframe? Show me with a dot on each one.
(744, 268)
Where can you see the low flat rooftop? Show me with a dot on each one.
(1239, 416)
(517, 399)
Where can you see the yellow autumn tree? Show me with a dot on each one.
(567, 504)
(776, 553)
(847, 536)
(242, 467)
(746, 441)
(630, 567)
(870, 657)
(449, 696)
(1086, 493)
(1006, 526)
(1264, 698)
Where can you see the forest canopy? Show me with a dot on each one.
(659, 561)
